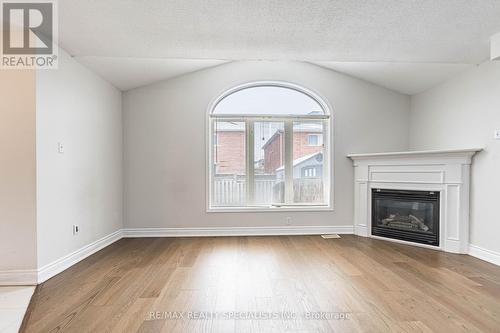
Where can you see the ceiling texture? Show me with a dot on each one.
(382, 41)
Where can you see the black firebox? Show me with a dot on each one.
(406, 215)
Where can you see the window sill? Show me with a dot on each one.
(270, 209)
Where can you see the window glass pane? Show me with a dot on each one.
(308, 162)
(268, 100)
(268, 148)
(229, 155)
(269, 152)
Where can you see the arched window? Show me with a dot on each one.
(269, 147)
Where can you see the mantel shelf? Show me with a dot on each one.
(466, 151)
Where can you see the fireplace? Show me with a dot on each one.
(406, 215)
(446, 172)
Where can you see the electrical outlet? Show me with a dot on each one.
(60, 148)
(288, 221)
(76, 229)
(497, 135)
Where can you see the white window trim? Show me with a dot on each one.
(328, 143)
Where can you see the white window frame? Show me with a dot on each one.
(249, 120)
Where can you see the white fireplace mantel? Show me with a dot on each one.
(446, 171)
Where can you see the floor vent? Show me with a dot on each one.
(329, 236)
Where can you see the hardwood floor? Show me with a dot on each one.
(354, 284)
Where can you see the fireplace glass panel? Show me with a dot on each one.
(406, 215)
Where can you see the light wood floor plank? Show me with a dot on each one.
(133, 285)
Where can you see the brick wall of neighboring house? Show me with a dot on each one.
(230, 152)
(301, 146)
(273, 155)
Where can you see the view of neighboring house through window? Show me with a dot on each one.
(308, 162)
(268, 156)
(268, 148)
(229, 156)
(314, 140)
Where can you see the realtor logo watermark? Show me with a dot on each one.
(29, 34)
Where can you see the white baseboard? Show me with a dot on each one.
(236, 231)
(25, 277)
(61, 264)
(483, 254)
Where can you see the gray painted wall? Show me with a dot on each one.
(83, 185)
(464, 112)
(165, 147)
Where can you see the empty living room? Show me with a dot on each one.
(250, 166)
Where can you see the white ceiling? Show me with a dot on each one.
(406, 78)
(129, 73)
(402, 31)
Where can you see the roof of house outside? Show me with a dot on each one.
(271, 139)
(300, 160)
(308, 127)
(229, 126)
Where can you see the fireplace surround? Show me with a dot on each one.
(436, 217)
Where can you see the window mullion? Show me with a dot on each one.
(250, 168)
(289, 162)
(326, 162)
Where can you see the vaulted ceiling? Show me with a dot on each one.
(129, 73)
(369, 32)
